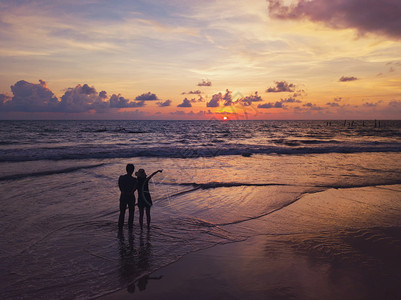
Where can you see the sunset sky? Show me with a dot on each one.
(176, 59)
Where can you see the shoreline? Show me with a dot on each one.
(264, 268)
(347, 261)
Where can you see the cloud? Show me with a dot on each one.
(4, 98)
(103, 95)
(333, 104)
(281, 86)
(248, 100)
(217, 98)
(280, 104)
(228, 100)
(200, 99)
(347, 78)
(205, 83)
(164, 104)
(395, 106)
(290, 100)
(338, 99)
(185, 103)
(178, 112)
(379, 17)
(137, 104)
(197, 92)
(82, 98)
(117, 101)
(147, 97)
(312, 106)
(30, 97)
(277, 104)
(87, 90)
(215, 101)
(371, 104)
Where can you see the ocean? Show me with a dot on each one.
(221, 181)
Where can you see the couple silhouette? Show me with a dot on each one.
(128, 185)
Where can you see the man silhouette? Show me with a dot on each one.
(127, 185)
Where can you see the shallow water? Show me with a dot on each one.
(60, 197)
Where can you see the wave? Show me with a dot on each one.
(115, 130)
(179, 151)
(310, 190)
(49, 172)
(345, 185)
(215, 184)
(264, 214)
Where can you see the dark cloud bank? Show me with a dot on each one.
(366, 16)
(30, 97)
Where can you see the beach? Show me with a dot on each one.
(291, 209)
(337, 262)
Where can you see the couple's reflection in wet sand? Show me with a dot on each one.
(135, 260)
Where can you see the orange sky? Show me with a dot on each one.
(315, 59)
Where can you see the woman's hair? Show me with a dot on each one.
(140, 173)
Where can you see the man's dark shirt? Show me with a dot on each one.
(127, 185)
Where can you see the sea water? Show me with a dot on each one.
(59, 194)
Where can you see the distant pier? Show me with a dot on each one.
(353, 123)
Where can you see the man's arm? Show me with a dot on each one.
(135, 185)
(120, 184)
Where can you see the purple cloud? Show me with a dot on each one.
(200, 99)
(312, 106)
(290, 100)
(215, 101)
(117, 101)
(30, 97)
(185, 103)
(197, 92)
(380, 17)
(333, 104)
(277, 104)
(205, 83)
(347, 78)
(281, 86)
(228, 100)
(395, 106)
(164, 104)
(248, 100)
(103, 95)
(371, 104)
(80, 99)
(4, 98)
(147, 97)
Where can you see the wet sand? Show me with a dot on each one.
(349, 248)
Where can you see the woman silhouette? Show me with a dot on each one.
(144, 199)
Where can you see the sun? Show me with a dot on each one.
(225, 118)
